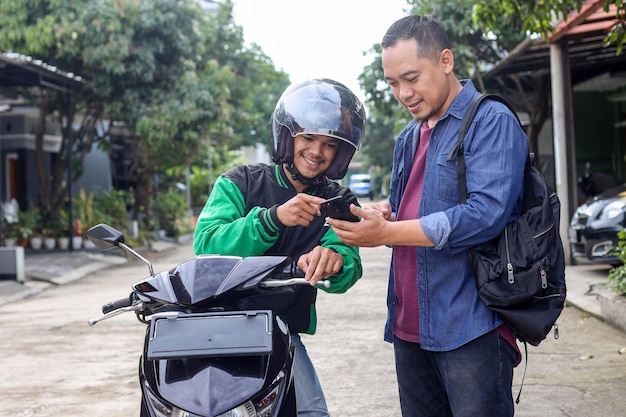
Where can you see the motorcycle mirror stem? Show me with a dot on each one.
(106, 237)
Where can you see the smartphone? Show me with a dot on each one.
(338, 208)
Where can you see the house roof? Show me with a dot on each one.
(18, 70)
(593, 64)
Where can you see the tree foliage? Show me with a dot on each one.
(482, 33)
(474, 50)
(539, 17)
(162, 72)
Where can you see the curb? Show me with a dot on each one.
(80, 272)
(42, 276)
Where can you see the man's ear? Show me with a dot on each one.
(447, 60)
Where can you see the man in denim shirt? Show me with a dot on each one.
(454, 356)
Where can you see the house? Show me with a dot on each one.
(18, 123)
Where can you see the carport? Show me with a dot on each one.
(576, 55)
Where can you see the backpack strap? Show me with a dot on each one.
(458, 149)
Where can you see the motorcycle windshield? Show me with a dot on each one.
(207, 276)
(211, 386)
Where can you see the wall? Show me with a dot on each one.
(595, 134)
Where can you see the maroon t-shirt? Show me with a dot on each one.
(406, 325)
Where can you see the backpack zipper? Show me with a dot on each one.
(509, 265)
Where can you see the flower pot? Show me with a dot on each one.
(49, 243)
(36, 242)
(10, 241)
(63, 242)
(77, 242)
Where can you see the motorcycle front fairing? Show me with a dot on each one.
(210, 386)
(207, 276)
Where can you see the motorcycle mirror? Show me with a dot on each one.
(104, 236)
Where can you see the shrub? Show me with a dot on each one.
(112, 206)
(617, 275)
(169, 207)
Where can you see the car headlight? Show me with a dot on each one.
(581, 213)
(611, 210)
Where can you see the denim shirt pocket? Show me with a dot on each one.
(447, 179)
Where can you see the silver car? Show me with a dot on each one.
(361, 185)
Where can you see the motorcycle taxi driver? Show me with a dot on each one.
(274, 209)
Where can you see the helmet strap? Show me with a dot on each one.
(295, 175)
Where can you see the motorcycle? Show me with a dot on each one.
(206, 353)
(591, 183)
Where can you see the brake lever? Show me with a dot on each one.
(136, 306)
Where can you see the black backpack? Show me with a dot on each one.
(521, 273)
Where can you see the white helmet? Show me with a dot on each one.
(321, 107)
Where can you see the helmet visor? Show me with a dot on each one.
(322, 109)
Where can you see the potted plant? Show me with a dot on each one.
(63, 241)
(77, 238)
(9, 216)
(49, 235)
(29, 221)
(84, 215)
(18, 233)
(11, 232)
(64, 231)
(27, 227)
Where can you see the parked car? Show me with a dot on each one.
(361, 185)
(594, 227)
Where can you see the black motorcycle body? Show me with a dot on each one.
(206, 352)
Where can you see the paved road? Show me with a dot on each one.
(582, 374)
(54, 364)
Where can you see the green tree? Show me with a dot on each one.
(161, 72)
(534, 17)
(474, 51)
(30, 27)
(255, 85)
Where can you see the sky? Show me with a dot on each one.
(318, 38)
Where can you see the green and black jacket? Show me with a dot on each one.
(240, 219)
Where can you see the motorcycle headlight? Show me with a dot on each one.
(162, 409)
(262, 408)
(244, 410)
(611, 210)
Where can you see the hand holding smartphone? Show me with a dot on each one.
(338, 208)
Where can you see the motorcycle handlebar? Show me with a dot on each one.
(121, 303)
(297, 272)
(272, 283)
(291, 274)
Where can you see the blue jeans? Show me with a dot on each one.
(473, 380)
(309, 394)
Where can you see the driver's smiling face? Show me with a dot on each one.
(313, 154)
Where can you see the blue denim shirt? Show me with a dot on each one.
(451, 314)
